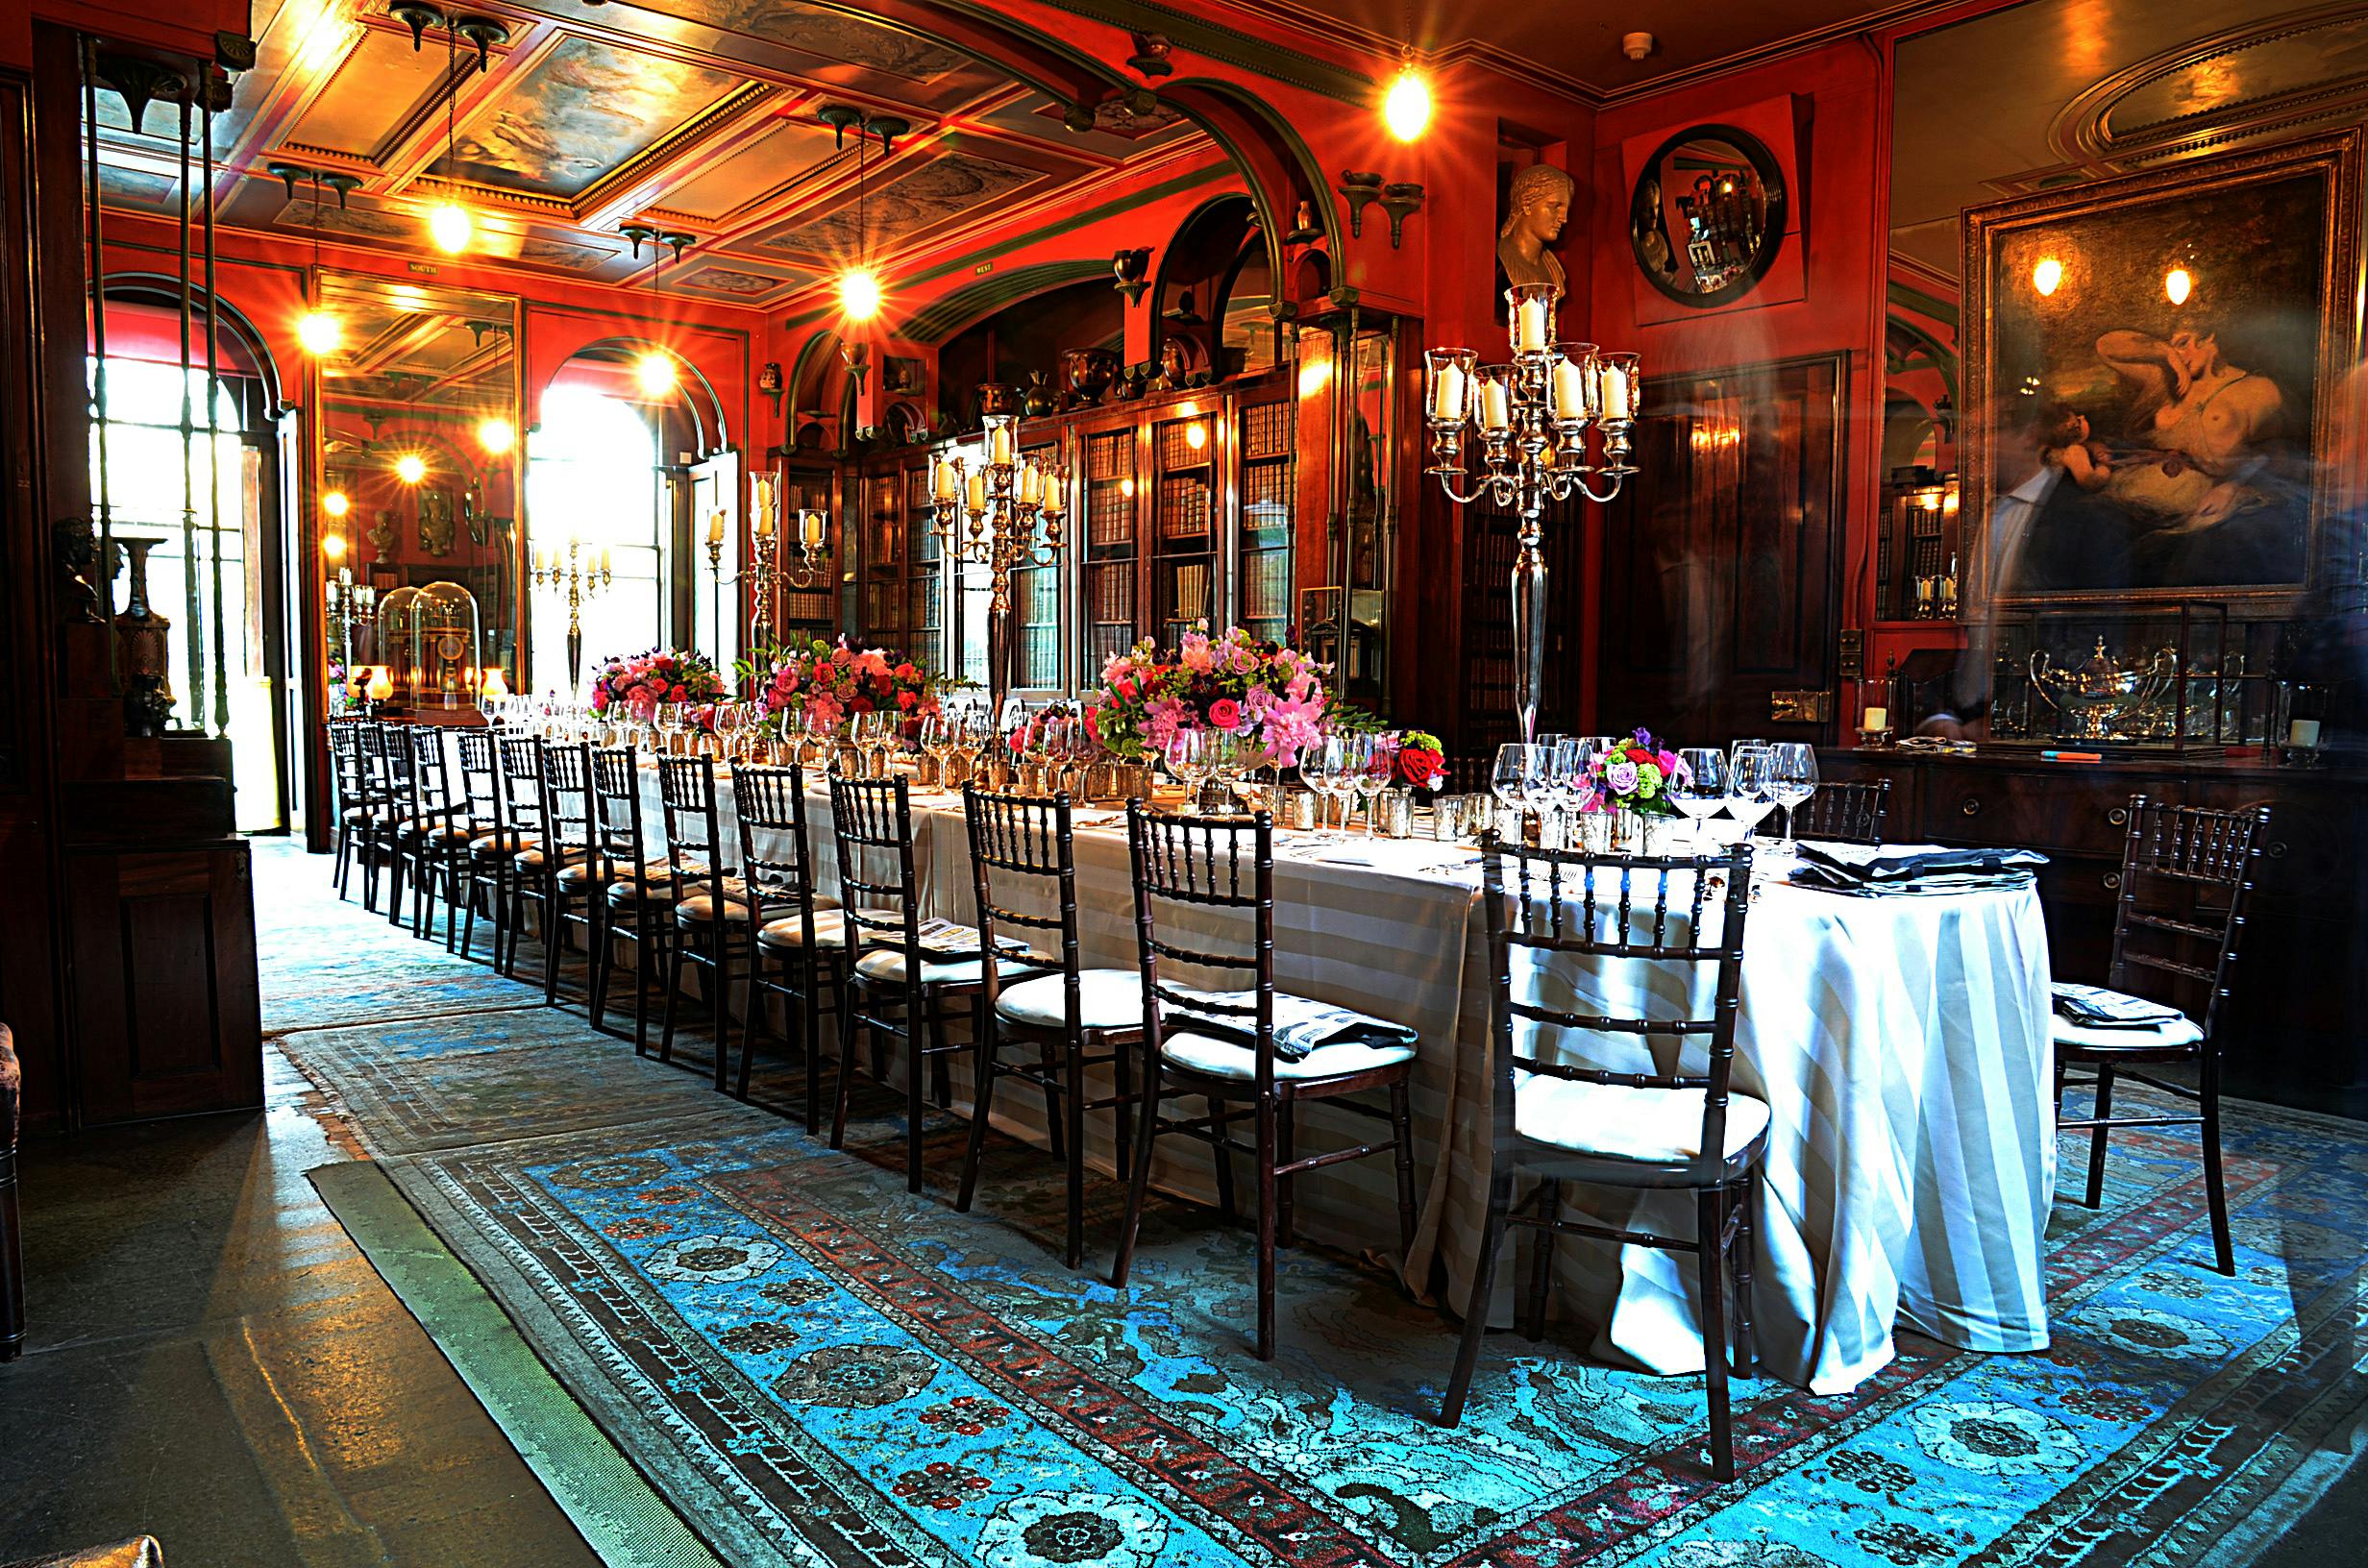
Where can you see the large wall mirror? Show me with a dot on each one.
(417, 452)
(1707, 214)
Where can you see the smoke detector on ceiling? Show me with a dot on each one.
(1637, 45)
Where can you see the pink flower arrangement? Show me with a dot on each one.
(1634, 775)
(832, 681)
(1262, 691)
(663, 675)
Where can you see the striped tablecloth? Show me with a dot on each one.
(1901, 1043)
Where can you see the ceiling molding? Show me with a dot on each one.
(1276, 61)
(947, 315)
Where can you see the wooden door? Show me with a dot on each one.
(1721, 556)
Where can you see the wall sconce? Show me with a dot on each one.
(1133, 271)
(1363, 190)
(769, 383)
(1401, 200)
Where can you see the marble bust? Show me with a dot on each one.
(1540, 203)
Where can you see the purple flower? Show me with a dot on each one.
(1644, 739)
(1622, 777)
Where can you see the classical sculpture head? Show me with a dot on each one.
(1537, 206)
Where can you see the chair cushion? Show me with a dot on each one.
(1106, 999)
(2170, 1035)
(581, 869)
(697, 908)
(1658, 1126)
(532, 860)
(507, 841)
(829, 927)
(1224, 1058)
(887, 965)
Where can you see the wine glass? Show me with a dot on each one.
(1380, 764)
(1793, 769)
(1699, 790)
(1188, 760)
(1319, 767)
(728, 719)
(1751, 786)
(1515, 777)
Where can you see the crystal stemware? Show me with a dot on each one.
(1793, 767)
(1699, 791)
(1751, 786)
(1515, 777)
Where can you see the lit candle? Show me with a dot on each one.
(1569, 390)
(1056, 500)
(1617, 400)
(764, 525)
(811, 524)
(715, 527)
(1447, 394)
(604, 561)
(998, 444)
(978, 491)
(1495, 404)
(1031, 485)
(1529, 325)
(948, 479)
(1876, 719)
(2303, 733)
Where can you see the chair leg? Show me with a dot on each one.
(2096, 1136)
(1219, 1125)
(1269, 1117)
(1286, 1141)
(920, 1034)
(751, 1015)
(1139, 1184)
(1123, 1129)
(845, 1082)
(1746, 1241)
(468, 922)
(810, 1037)
(1073, 1075)
(555, 933)
(1541, 1261)
(1483, 1288)
(1402, 1122)
(1709, 1214)
(674, 991)
(649, 953)
(1056, 1128)
(2216, 1189)
(983, 1073)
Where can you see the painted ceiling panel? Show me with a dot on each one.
(2223, 82)
(825, 35)
(370, 95)
(944, 188)
(774, 156)
(404, 230)
(732, 282)
(583, 110)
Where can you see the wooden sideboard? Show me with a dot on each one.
(2296, 1028)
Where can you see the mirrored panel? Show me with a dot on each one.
(418, 455)
(1707, 214)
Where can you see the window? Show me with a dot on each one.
(592, 479)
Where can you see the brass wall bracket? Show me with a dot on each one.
(1363, 190)
(1401, 200)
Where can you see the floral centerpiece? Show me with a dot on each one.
(1634, 775)
(1421, 760)
(831, 681)
(1265, 692)
(663, 675)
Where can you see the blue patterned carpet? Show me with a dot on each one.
(814, 1365)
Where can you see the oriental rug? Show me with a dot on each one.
(813, 1366)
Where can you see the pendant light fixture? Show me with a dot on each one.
(860, 285)
(317, 331)
(655, 371)
(449, 223)
(1406, 108)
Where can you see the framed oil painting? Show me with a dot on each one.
(2154, 365)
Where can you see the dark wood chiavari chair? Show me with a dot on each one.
(2186, 873)
(800, 931)
(638, 890)
(712, 910)
(1210, 864)
(382, 806)
(1673, 1129)
(896, 990)
(395, 764)
(1470, 776)
(1075, 1019)
(1848, 811)
(520, 758)
(349, 778)
(566, 866)
(434, 839)
(494, 842)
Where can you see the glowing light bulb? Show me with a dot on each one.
(1195, 435)
(1407, 109)
(451, 227)
(2177, 285)
(319, 332)
(2048, 275)
(656, 372)
(410, 468)
(336, 504)
(496, 436)
(332, 546)
(858, 294)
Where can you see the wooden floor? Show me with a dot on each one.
(213, 1362)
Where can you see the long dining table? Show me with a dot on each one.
(1901, 1045)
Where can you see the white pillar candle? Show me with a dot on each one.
(978, 491)
(949, 481)
(1496, 405)
(1616, 403)
(1447, 393)
(764, 525)
(1876, 719)
(1031, 485)
(1529, 326)
(715, 527)
(998, 444)
(812, 523)
(2303, 733)
(1569, 390)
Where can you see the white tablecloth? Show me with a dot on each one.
(1901, 1043)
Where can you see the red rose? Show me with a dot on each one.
(862, 704)
(1420, 768)
(680, 693)
(906, 699)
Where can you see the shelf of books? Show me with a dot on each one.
(1263, 552)
(807, 612)
(924, 603)
(884, 563)
(1108, 540)
(1183, 526)
(1036, 605)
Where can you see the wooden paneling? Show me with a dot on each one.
(1720, 569)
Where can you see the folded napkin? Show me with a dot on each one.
(1869, 870)
(2094, 1007)
(945, 939)
(1301, 1026)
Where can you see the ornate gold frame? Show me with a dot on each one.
(2337, 159)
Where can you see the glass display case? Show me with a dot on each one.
(2154, 680)
(444, 646)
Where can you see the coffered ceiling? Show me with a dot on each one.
(696, 116)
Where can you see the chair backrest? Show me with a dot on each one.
(347, 775)
(2186, 873)
(565, 790)
(872, 821)
(617, 834)
(1845, 812)
(373, 774)
(1470, 776)
(395, 760)
(484, 792)
(1025, 837)
(521, 757)
(1550, 904)
(779, 866)
(432, 781)
(695, 858)
(1206, 863)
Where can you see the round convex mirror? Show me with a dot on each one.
(1707, 214)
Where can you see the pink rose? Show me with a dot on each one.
(1225, 713)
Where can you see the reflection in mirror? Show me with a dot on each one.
(1707, 215)
(417, 455)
